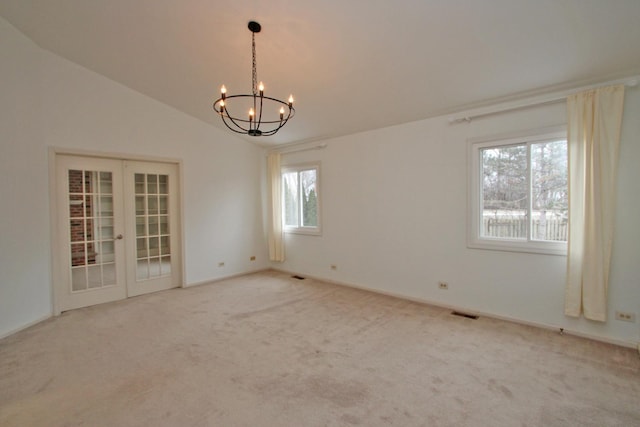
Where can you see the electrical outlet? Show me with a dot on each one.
(221, 264)
(334, 267)
(626, 317)
(253, 258)
(443, 285)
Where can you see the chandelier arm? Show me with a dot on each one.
(245, 131)
(235, 123)
(291, 110)
(255, 111)
(259, 122)
(282, 123)
(242, 131)
(222, 114)
(273, 131)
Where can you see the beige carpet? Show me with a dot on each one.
(268, 350)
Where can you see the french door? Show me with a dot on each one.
(118, 230)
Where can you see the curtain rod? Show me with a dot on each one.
(297, 150)
(537, 101)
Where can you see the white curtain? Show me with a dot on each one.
(594, 122)
(275, 233)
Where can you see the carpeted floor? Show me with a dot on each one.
(268, 350)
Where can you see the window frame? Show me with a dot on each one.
(302, 229)
(474, 192)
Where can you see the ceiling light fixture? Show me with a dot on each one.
(255, 123)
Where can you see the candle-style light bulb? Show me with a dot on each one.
(251, 114)
(290, 100)
(221, 107)
(223, 91)
(261, 88)
(281, 113)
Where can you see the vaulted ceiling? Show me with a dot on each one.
(352, 65)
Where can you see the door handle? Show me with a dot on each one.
(118, 237)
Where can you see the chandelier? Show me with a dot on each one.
(259, 121)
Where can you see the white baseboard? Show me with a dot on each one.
(28, 325)
(621, 343)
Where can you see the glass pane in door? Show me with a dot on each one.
(91, 234)
(153, 251)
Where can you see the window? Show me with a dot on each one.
(301, 199)
(519, 194)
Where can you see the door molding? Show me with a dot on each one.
(56, 233)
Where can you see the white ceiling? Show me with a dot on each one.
(352, 65)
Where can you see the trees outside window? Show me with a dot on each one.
(300, 199)
(519, 193)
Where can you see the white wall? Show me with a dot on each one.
(394, 206)
(24, 231)
(50, 102)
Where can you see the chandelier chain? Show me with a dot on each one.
(254, 74)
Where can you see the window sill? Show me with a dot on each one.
(544, 248)
(309, 231)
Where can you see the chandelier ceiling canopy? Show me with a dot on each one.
(261, 115)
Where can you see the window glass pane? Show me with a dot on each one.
(139, 183)
(166, 265)
(164, 184)
(95, 276)
(89, 178)
(152, 205)
(106, 205)
(106, 231)
(290, 190)
(152, 184)
(75, 182)
(142, 269)
(140, 206)
(165, 247)
(76, 206)
(78, 279)
(78, 254)
(141, 226)
(153, 226)
(549, 192)
(89, 230)
(309, 198)
(88, 206)
(154, 246)
(108, 274)
(77, 230)
(504, 201)
(164, 224)
(141, 248)
(106, 185)
(164, 203)
(154, 267)
(107, 251)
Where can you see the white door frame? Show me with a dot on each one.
(56, 234)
